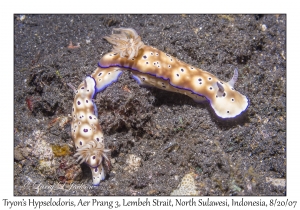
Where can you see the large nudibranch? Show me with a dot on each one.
(156, 68)
(86, 131)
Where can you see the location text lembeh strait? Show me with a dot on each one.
(146, 202)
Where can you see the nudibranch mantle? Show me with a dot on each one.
(177, 76)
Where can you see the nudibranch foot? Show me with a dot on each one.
(147, 80)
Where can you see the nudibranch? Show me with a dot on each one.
(85, 128)
(153, 67)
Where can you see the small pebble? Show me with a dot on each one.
(22, 17)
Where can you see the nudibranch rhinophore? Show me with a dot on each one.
(156, 68)
(86, 131)
(150, 67)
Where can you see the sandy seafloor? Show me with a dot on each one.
(170, 134)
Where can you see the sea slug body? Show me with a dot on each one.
(172, 74)
(86, 131)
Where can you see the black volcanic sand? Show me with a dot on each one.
(172, 134)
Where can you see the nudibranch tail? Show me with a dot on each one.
(86, 130)
(98, 174)
(105, 77)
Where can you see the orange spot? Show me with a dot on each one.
(125, 88)
(71, 46)
(52, 122)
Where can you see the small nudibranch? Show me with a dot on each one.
(172, 74)
(86, 131)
